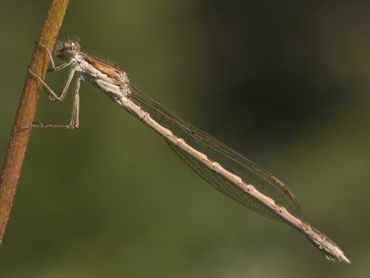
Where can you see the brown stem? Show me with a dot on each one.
(26, 111)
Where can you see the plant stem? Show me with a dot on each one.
(27, 107)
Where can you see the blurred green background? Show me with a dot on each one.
(287, 83)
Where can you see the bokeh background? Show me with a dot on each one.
(287, 83)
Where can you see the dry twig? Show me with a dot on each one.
(21, 129)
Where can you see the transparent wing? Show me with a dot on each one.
(225, 156)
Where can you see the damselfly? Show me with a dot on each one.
(222, 167)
